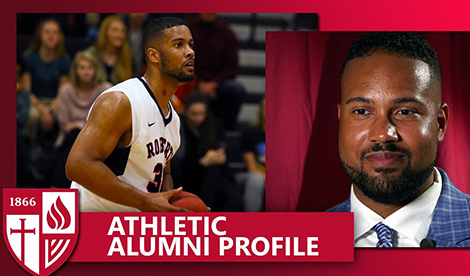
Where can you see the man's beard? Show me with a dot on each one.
(173, 72)
(384, 188)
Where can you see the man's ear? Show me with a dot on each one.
(442, 119)
(153, 55)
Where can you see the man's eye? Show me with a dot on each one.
(178, 44)
(405, 112)
(361, 112)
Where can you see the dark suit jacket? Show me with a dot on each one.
(450, 224)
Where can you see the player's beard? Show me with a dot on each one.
(385, 188)
(174, 72)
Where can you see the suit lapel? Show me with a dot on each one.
(344, 206)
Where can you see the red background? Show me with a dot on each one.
(334, 15)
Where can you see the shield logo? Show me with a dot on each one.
(40, 227)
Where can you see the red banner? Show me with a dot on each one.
(215, 237)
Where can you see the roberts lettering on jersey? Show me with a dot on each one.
(159, 146)
(155, 139)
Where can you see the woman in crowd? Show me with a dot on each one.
(46, 67)
(112, 50)
(253, 146)
(199, 163)
(75, 98)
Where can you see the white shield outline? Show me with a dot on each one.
(54, 247)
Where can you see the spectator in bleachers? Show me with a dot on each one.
(46, 66)
(253, 146)
(75, 98)
(136, 24)
(198, 165)
(112, 50)
(217, 66)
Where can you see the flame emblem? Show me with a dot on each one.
(58, 217)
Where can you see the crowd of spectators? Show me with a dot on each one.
(54, 95)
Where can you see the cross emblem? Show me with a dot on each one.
(22, 231)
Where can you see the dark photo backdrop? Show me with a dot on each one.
(302, 91)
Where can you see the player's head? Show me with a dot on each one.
(196, 108)
(85, 69)
(155, 30)
(48, 35)
(391, 116)
(168, 45)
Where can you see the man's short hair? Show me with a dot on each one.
(407, 44)
(157, 27)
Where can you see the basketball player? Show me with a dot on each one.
(120, 162)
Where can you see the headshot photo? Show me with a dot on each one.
(375, 124)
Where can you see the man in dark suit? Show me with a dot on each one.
(391, 121)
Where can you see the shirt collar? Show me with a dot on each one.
(412, 220)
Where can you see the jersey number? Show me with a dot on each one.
(156, 185)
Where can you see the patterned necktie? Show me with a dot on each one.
(385, 235)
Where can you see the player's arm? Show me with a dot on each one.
(109, 126)
(167, 179)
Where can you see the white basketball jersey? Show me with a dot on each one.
(155, 139)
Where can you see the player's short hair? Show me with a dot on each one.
(157, 27)
(407, 44)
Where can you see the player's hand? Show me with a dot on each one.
(158, 202)
(208, 88)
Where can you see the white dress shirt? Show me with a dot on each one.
(411, 222)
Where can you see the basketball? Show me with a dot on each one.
(188, 201)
